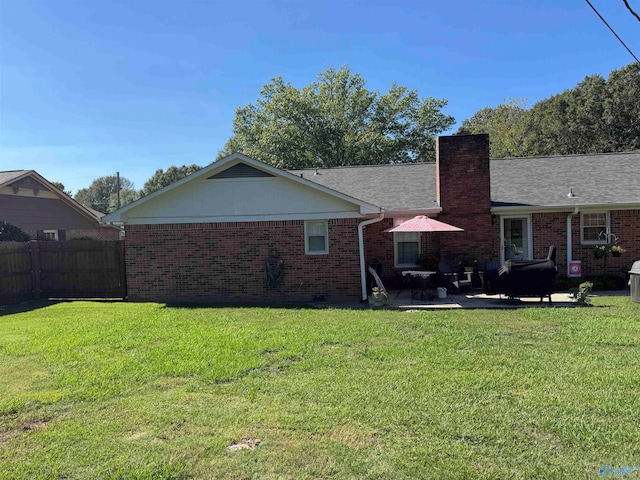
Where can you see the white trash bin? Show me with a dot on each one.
(634, 281)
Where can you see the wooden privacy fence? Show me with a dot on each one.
(50, 269)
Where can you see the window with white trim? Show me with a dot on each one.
(316, 237)
(50, 234)
(592, 226)
(406, 248)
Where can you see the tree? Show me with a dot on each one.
(506, 125)
(11, 233)
(622, 107)
(102, 196)
(336, 121)
(60, 186)
(161, 179)
(596, 116)
(571, 122)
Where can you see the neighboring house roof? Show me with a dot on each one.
(595, 180)
(409, 186)
(7, 178)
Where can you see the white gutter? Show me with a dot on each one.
(569, 233)
(562, 208)
(363, 272)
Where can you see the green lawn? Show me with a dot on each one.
(120, 390)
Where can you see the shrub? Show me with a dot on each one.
(11, 233)
(581, 294)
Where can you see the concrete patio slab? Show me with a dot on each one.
(402, 300)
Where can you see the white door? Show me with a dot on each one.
(516, 234)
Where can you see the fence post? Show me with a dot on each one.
(35, 268)
(123, 268)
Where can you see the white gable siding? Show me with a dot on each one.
(240, 199)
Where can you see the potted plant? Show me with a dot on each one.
(600, 251)
(380, 297)
(617, 250)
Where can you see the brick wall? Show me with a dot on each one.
(225, 262)
(378, 244)
(551, 229)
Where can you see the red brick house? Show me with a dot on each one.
(221, 233)
(42, 211)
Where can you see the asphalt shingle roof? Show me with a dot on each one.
(410, 186)
(610, 178)
(7, 176)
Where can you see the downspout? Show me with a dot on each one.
(363, 272)
(569, 233)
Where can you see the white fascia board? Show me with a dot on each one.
(229, 161)
(236, 218)
(370, 210)
(528, 209)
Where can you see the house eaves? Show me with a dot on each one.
(365, 208)
(527, 209)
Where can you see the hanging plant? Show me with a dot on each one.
(600, 251)
(617, 251)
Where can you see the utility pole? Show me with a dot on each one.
(118, 188)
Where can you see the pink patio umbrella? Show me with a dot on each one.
(422, 223)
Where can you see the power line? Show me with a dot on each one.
(631, 10)
(613, 31)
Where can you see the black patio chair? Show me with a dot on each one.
(451, 280)
(421, 285)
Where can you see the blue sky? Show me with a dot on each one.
(88, 88)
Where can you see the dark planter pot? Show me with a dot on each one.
(616, 254)
(598, 254)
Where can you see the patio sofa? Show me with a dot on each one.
(523, 278)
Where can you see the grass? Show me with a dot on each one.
(145, 391)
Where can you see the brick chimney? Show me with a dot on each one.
(463, 189)
(463, 183)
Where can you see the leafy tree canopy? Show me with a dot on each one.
(11, 233)
(60, 186)
(506, 126)
(161, 179)
(102, 196)
(336, 121)
(596, 116)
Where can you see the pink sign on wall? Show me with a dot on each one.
(574, 269)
